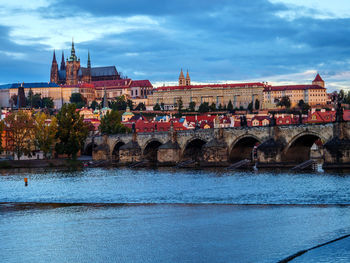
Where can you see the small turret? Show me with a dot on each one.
(188, 79)
(318, 81)
(182, 79)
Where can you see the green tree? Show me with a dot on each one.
(213, 107)
(204, 107)
(47, 102)
(45, 133)
(250, 106)
(94, 104)
(162, 106)
(119, 103)
(71, 132)
(111, 123)
(220, 107)
(140, 106)
(257, 104)
(192, 106)
(78, 99)
(230, 106)
(130, 104)
(301, 103)
(180, 105)
(156, 107)
(19, 126)
(284, 102)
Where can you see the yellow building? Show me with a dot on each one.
(240, 95)
(314, 94)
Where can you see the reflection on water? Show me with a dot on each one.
(164, 233)
(174, 186)
(123, 215)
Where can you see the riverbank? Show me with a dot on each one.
(8, 164)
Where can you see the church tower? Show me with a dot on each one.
(318, 81)
(54, 69)
(182, 79)
(188, 79)
(72, 68)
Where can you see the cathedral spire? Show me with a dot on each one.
(54, 57)
(89, 62)
(73, 57)
(63, 64)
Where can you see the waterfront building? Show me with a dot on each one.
(314, 94)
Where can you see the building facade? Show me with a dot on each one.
(314, 94)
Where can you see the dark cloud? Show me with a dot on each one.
(215, 40)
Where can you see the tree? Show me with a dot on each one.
(111, 123)
(19, 126)
(303, 106)
(220, 107)
(44, 133)
(250, 106)
(257, 104)
(78, 99)
(140, 106)
(213, 107)
(204, 107)
(94, 104)
(130, 104)
(13, 100)
(47, 102)
(71, 132)
(301, 103)
(180, 105)
(162, 105)
(230, 106)
(156, 107)
(118, 104)
(284, 102)
(192, 106)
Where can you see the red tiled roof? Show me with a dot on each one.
(108, 83)
(210, 86)
(318, 78)
(292, 87)
(141, 83)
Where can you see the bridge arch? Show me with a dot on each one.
(89, 148)
(299, 148)
(193, 149)
(242, 147)
(115, 151)
(151, 149)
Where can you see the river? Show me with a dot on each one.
(168, 215)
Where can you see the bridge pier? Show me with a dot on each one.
(169, 154)
(130, 152)
(215, 153)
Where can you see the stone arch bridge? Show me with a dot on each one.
(222, 146)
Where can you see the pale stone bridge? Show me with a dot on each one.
(223, 146)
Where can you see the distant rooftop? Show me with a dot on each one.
(29, 85)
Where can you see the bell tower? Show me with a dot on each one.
(72, 68)
(182, 79)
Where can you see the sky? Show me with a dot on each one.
(221, 41)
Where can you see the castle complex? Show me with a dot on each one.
(72, 73)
